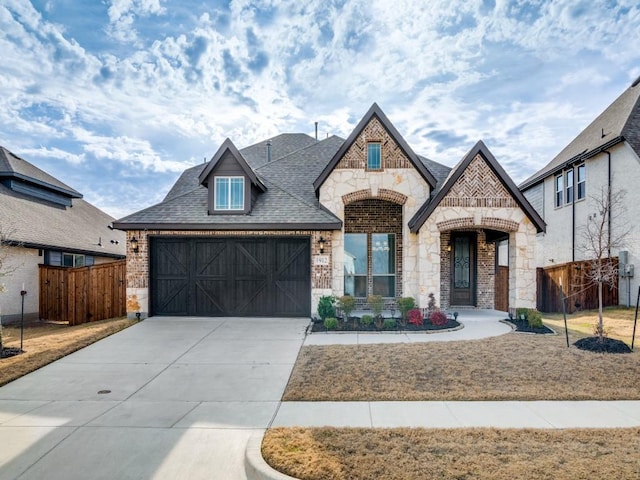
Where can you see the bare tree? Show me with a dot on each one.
(5, 243)
(600, 237)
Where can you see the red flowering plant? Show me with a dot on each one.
(415, 316)
(438, 318)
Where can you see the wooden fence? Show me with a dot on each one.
(83, 294)
(572, 280)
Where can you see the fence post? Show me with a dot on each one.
(635, 320)
(564, 314)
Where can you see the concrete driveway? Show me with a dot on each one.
(184, 396)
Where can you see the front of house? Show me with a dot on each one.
(269, 229)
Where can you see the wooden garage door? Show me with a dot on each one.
(230, 276)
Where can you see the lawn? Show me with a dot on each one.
(509, 367)
(618, 322)
(479, 454)
(46, 342)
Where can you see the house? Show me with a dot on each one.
(605, 154)
(269, 229)
(44, 221)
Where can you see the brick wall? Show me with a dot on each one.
(376, 216)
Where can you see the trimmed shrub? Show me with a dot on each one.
(347, 304)
(331, 323)
(326, 306)
(522, 312)
(366, 320)
(405, 304)
(415, 316)
(431, 305)
(438, 318)
(535, 319)
(376, 302)
(389, 324)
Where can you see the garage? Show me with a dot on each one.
(235, 276)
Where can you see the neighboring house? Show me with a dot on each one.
(269, 229)
(606, 153)
(44, 221)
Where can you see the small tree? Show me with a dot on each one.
(599, 238)
(347, 304)
(404, 305)
(5, 268)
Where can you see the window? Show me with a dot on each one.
(581, 182)
(569, 178)
(381, 262)
(72, 260)
(229, 194)
(374, 159)
(559, 190)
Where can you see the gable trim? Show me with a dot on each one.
(228, 145)
(428, 208)
(375, 112)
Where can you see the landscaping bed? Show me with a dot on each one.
(317, 326)
(604, 345)
(456, 454)
(523, 326)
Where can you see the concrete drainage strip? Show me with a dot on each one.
(255, 466)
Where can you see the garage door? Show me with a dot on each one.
(230, 276)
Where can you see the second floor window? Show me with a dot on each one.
(569, 178)
(559, 190)
(229, 193)
(582, 191)
(374, 158)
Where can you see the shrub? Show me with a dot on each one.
(326, 306)
(438, 318)
(415, 316)
(431, 305)
(347, 304)
(366, 320)
(331, 323)
(534, 318)
(389, 324)
(405, 304)
(376, 303)
(520, 312)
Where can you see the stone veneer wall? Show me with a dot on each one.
(485, 270)
(376, 216)
(138, 263)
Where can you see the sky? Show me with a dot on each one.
(117, 97)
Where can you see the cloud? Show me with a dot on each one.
(123, 13)
(56, 153)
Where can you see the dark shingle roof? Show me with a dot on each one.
(281, 146)
(13, 166)
(620, 121)
(439, 171)
(41, 224)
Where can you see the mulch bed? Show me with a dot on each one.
(606, 345)
(523, 326)
(317, 326)
(10, 352)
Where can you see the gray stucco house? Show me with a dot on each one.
(268, 229)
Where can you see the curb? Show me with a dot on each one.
(255, 466)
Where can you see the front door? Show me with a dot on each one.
(463, 270)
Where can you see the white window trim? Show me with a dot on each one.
(215, 194)
(557, 204)
(568, 187)
(578, 182)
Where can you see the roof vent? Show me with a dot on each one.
(636, 82)
(268, 150)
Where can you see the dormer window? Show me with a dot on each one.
(229, 193)
(374, 157)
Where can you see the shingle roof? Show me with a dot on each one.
(281, 146)
(288, 202)
(619, 121)
(40, 224)
(13, 166)
(439, 171)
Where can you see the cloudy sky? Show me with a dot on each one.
(117, 97)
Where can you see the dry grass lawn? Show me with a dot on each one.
(479, 454)
(618, 322)
(44, 343)
(509, 367)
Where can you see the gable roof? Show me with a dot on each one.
(618, 122)
(228, 146)
(281, 146)
(480, 148)
(289, 203)
(12, 166)
(38, 223)
(375, 112)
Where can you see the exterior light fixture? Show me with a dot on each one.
(448, 247)
(321, 243)
(134, 244)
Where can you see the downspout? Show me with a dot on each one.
(608, 202)
(573, 218)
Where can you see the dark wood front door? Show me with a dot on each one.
(463, 270)
(231, 276)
